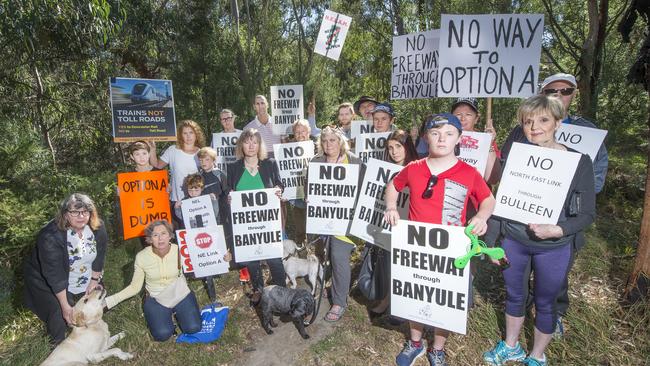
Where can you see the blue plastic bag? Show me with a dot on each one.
(213, 321)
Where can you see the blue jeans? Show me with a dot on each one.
(159, 318)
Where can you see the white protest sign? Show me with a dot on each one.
(534, 184)
(426, 287)
(224, 144)
(415, 65)
(183, 252)
(491, 55)
(587, 140)
(368, 222)
(360, 127)
(474, 149)
(198, 212)
(331, 35)
(292, 160)
(207, 246)
(371, 145)
(331, 194)
(256, 225)
(286, 107)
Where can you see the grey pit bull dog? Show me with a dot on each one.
(298, 304)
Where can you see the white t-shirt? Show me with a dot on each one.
(266, 131)
(181, 164)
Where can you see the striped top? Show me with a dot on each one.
(266, 131)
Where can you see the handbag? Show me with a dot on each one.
(370, 281)
(174, 293)
(213, 322)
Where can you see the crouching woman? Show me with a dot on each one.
(157, 266)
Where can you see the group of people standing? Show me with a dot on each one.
(68, 260)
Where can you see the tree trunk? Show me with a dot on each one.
(397, 16)
(590, 57)
(40, 115)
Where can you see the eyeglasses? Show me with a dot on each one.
(76, 213)
(428, 192)
(563, 91)
(226, 118)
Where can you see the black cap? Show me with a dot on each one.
(472, 102)
(364, 98)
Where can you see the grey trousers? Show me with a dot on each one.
(340, 253)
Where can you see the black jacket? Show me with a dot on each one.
(48, 267)
(268, 170)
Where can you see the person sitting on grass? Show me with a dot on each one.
(427, 180)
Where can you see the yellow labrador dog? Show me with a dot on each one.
(90, 340)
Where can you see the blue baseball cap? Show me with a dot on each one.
(384, 107)
(442, 119)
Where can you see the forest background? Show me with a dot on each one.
(58, 56)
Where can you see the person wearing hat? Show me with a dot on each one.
(364, 106)
(383, 117)
(564, 86)
(427, 180)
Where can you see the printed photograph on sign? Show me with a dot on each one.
(490, 55)
(287, 106)
(143, 200)
(256, 225)
(332, 190)
(371, 145)
(584, 139)
(475, 149)
(198, 212)
(331, 35)
(142, 109)
(368, 222)
(207, 248)
(535, 183)
(426, 287)
(224, 144)
(414, 72)
(292, 160)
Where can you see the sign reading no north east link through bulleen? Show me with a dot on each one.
(142, 109)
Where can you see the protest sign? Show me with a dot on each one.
(142, 109)
(143, 200)
(587, 140)
(426, 287)
(368, 222)
(256, 225)
(534, 184)
(286, 107)
(293, 159)
(331, 35)
(371, 145)
(415, 65)
(198, 212)
(183, 252)
(224, 144)
(331, 191)
(495, 55)
(206, 247)
(475, 148)
(359, 127)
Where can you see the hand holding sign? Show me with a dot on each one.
(546, 231)
(489, 128)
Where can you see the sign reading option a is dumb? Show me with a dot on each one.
(143, 200)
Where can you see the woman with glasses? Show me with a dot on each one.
(440, 187)
(545, 249)
(66, 263)
(227, 119)
(333, 148)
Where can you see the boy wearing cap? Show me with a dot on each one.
(437, 183)
(383, 117)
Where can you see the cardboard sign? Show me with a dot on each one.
(286, 107)
(587, 140)
(360, 127)
(256, 225)
(331, 35)
(426, 287)
(224, 144)
(183, 252)
(143, 200)
(292, 160)
(332, 190)
(368, 222)
(492, 55)
(142, 109)
(475, 149)
(371, 145)
(415, 65)
(534, 184)
(198, 212)
(207, 246)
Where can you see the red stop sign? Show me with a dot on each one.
(203, 240)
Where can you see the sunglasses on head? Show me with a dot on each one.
(428, 192)
(563, 91)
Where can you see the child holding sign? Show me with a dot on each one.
(440, 187)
